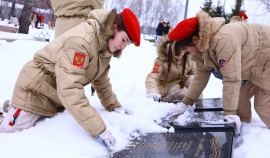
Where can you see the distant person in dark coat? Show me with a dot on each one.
(160, 30)
(167, 28)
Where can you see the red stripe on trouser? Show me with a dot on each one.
(16, 114)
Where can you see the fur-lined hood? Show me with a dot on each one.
(207, 29)
(162, 48)
(105, 20)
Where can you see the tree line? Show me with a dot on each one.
(150, 12)
(219, 11)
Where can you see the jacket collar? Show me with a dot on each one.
(105, 21)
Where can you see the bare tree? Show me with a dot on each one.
(176, 12)
(1, 14)
(120, 4)
(267, 4)
(150, 12)
(12, 10)
(147, 17)
(25, 20)
(4, 9)
(137, 7)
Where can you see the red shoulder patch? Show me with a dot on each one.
(79, 59)
(155, 68)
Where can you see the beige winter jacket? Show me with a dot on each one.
(72, 12)
(238, 50)
(54, 80)
(154, 80)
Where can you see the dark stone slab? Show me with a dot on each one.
(180, 145)
(207, 117)
(207, 104)
(205, 122)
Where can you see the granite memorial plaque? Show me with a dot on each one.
(180, 145)
(207, 121)
(206, 117)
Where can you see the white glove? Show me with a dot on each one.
(122, 110)
(107, 139)
(178, 109)
(154, 96)
(236, 120)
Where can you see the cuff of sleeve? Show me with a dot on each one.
(229, 112)
(103, 130)
(188, 101)
(111, 107)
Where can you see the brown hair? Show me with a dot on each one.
(187, 41)
(177, 47)
(119, 23)
(120, 27)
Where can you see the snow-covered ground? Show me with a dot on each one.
(61, 136)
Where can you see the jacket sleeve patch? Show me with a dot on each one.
(155, 68)
(79, 59)
(222, 62)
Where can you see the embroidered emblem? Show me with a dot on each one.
(79, 59)
(155, 68)
(222, 62)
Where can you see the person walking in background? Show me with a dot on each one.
(34, 19)
(54, 79)
(37, 20)
(167, 28)
(160, 31)
(241, 17)
(172, 73)
(41, 19)
(238, 53)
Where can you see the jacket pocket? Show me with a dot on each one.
(44, 95)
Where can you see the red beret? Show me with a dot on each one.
(132, 26)
(243, 14)
(184, 29)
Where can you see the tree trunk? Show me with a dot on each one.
(267, 4)
(12, 10)
(25, 20)
(1, 15)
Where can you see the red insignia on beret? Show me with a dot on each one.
(244, 15)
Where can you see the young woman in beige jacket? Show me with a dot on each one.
(54, 79)
(238, 53)
(172, 73)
